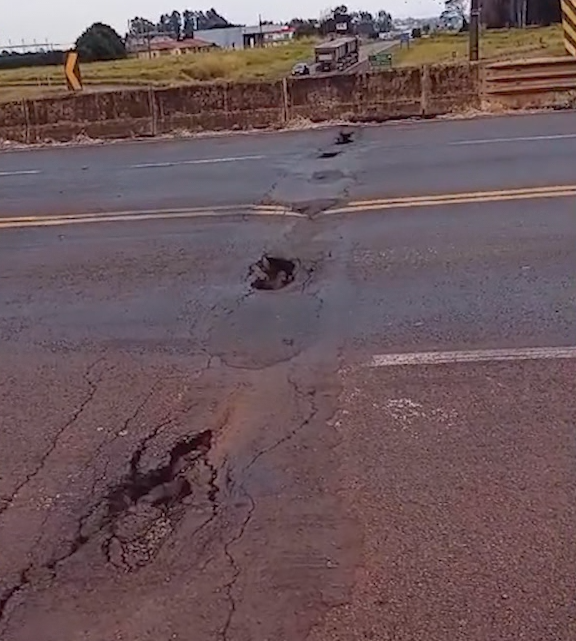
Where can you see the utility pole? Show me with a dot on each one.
(474, 30)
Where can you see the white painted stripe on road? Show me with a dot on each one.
(200, 161)
(477, 356)
(22, 172)
(493, 141)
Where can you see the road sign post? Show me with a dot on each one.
(72, 71)
(475, 30)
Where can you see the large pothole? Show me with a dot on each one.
(164, 485)
(345, 138)
(271, 273)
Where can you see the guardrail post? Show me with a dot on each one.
(424, 89)
(153, 111)
(286, 104)
(26, 121)
(482, 83)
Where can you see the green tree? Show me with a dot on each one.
(304, 28)
(163, 25)
(176, 25)
(189, 23)
(100, 42)
(504, 13)
(383, 21)
(140, 27)
(544, 11)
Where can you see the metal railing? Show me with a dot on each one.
(530, 82)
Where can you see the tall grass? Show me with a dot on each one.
(495, 44)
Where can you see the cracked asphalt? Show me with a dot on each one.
(183, 456)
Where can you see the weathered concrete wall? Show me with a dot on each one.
(214, 107)
(395, 93)
(449, 88)
(13, 121)
(375, 96)
(117, 114)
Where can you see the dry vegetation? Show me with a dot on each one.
(255, 64)
(495, 44)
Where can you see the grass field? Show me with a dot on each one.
(254, 64)
(495, 44)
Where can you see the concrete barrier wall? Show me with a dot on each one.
(375, 96)
(118, 114)
(450, 88)
(214, 107)
(14, 121)
(395, 93)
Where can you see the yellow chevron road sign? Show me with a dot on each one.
(72, 71)
(569, 25)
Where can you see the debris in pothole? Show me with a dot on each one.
(344, 138)
(164, 485)
(272, 273)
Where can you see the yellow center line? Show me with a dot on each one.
(131, 216)
(559, 191)
(98, 214)
(458, 198)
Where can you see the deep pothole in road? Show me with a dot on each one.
(272, 273)
(345, 138)
(162, 486)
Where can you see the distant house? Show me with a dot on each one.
(247, 37)
(277, 34)
(165, 46)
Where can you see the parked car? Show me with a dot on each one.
(301, 69)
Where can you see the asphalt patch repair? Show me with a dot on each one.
(271, 273)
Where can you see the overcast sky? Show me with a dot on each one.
(62, 21)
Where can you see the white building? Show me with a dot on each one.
(246, 37)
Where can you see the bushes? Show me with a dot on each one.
(100, 42)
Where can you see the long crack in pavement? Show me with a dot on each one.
(92, 388)
(134, 522)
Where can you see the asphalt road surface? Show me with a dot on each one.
(378, 444)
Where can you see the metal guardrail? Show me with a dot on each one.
(526, 80)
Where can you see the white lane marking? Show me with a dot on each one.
(22, 172)
(474, 356)
(491, 141)
(200, 161)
